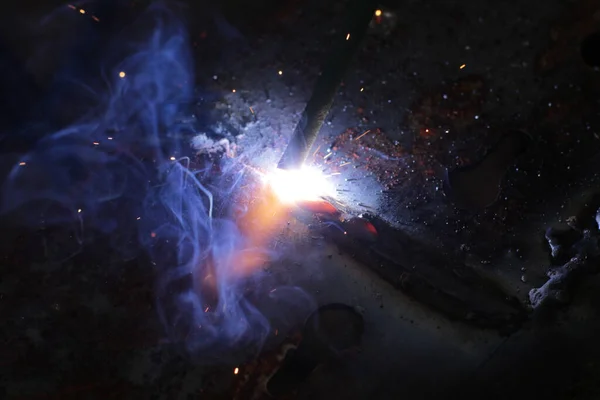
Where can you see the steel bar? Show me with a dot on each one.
(327, 84)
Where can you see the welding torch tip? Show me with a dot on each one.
(318, 105)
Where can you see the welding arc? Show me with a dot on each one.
(318, 105)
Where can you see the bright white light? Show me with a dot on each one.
(298, 185)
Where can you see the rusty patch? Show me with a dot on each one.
(567, 33)
(252, 378)
(373, 151)
(443, 121)
(452, 107)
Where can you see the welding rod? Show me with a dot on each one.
(318, 105)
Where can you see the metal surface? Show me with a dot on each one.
(490, 64)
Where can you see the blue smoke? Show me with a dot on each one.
(113, 172)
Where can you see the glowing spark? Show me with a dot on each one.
(109, 138)
(121, 74)
(335, 173)
(344, 164)
(172, 158)
(138, 218)
(280, 72)
(95, 18)
(315, 153)
(251, 110)
(378, 13)
(363, 134)
(95, 143)
(348, 37)
(362, 88)
(22, 163)
(462, 66)
(327, 156)
(236, 370)
(82, 11)
(299, 185)
(72, 7)
(79, 210)
(233, 90)
(206, 309)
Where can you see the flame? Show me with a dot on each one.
(264, 217)
(268, 209)
(299, 185)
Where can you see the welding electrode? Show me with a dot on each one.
(327, 84)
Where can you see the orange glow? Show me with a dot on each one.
(265, 216)
(378, 13)
(318, 207)
(268, 209)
